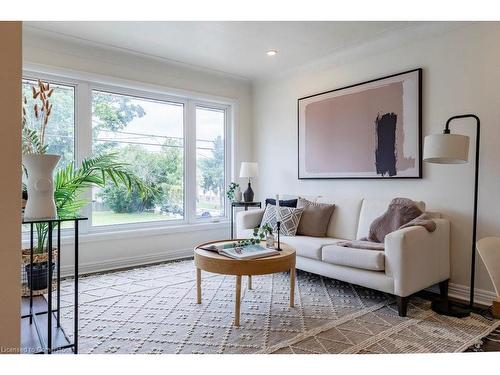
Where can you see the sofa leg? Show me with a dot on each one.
(443, 289)
(402, 305)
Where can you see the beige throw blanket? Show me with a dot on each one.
(401, 213)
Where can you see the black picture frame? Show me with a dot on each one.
(419, 72)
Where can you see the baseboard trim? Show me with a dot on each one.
(481, 296)
(115, 264)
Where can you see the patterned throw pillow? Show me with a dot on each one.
(290, 218)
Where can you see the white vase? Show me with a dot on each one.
(40, 184)
(237, 195)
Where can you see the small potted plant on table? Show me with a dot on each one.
(234, 192)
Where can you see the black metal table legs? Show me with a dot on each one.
(75, 337)
(31, 273)
(58, 275)
(49, 284)
(50, 345)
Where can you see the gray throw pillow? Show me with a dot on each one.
(290, 218)
(315, 218)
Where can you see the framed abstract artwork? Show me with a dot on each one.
(368, 130)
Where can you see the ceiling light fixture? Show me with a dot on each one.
(272, 52)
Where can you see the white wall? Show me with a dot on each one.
(461, 75)
(97, 251)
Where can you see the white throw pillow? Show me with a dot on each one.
(290, 218)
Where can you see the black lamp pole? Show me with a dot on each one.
(444, 307)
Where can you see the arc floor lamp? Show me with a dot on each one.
(450, 148)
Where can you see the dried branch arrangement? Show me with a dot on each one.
(34, 128)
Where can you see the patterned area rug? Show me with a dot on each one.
(153, 310)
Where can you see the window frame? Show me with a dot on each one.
(139, 94)
(227, 161)
(85, 83)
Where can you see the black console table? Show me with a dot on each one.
(242, 204)
(45, 338)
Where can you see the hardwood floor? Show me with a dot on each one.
(490, 346)
(29, 338)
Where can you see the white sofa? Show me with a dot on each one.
(414, 258)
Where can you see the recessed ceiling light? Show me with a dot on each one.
(271, 52)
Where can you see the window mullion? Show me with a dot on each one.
(83, 140)
(228, 157)
(190, 162)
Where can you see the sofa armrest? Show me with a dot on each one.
(416, 258)
(248, 220)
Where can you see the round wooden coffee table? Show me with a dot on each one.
(212, 262)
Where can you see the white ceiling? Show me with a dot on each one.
(237, 48)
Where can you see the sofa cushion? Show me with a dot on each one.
(283, 202)
(315, 218)
(372, 209)
(358, 258)
(289, 219)
(306, 246)
(245, 233)
(344, 221)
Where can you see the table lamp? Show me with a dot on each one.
(450, 148)
(249, 170)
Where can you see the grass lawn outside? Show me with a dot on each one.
(110, 218)
(208, 205)
(213, 208)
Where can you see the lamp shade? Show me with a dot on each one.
(446, 149)
(249, 169)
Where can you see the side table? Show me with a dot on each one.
(46, 338)
(241, 204)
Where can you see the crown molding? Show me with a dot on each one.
(56, 41)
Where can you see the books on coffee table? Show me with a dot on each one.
(244, 252)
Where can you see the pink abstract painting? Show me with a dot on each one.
(370, 130)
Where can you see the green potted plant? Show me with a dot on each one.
(266, 232)
(262, 233)
(234, 192)
(69, 184)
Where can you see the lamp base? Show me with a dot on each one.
(496, 308)
(445, 307)
(248, 194)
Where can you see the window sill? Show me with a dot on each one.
(121, 233)
(116, 233)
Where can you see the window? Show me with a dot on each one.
(210, 162)
(149, 136)
(177, 145)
